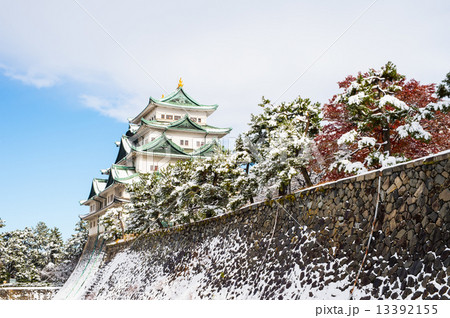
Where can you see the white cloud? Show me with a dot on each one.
(230, 53)
(30, 77)
(121, 108)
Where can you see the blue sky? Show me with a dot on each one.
(67, 86)
(52, 148)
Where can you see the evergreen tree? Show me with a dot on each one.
(443, 90)
(188, 191)
(60, 271)
(215, 185)
(55, 246)
(49, 243)
(113, 222)
(380, 112)
(20, 256)
(41, 233)
(145, 199)
(75, 244)
(279, 142)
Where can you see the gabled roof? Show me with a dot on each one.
(185, 124)
(98, 185)
(207, 149)
(162, 144)
(177, 99)
(121, 174)
(180, 98)
(124, 149)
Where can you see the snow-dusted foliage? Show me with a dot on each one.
(189, 191)
(443, 90)
(38, 254)
(73, 248)
(279, 142)
(379, 119)
(20, 257)
(113, 221)
(49, 243)
(74, 245)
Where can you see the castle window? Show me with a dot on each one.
(199, 120)
(176, 117)
(182, 142)
(194, 119)
(169, 117)
(186, 142)
(162, 116)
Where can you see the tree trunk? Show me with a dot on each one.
(282, 189)
(122, 225)
(386, 139)
(306, 176)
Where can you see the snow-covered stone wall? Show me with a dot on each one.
(27, 293)
(382, 235)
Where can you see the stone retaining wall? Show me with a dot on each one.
(310, 244)
(28, 293)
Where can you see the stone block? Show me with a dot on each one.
(445, 195)
(400, 234)
(391, 188)
(439, 179)
(398, 182)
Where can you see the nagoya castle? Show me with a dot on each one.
(167, 130)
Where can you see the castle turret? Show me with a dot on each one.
(167, 130)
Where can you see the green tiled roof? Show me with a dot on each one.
(180, 98)
(207, 149)
(98, 185)
(162, 144)
(185, 124)
(121, 174)
(124, 150)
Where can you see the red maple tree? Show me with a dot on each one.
(336, 119)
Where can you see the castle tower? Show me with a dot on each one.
(167, 130)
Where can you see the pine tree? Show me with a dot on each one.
(75, 244)
(279, 142)
(20, 256)
(145, 199)
(55, 246)
(188, 191)
(443, 89)
(377, 113)
(113, 222)
(59, 272)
